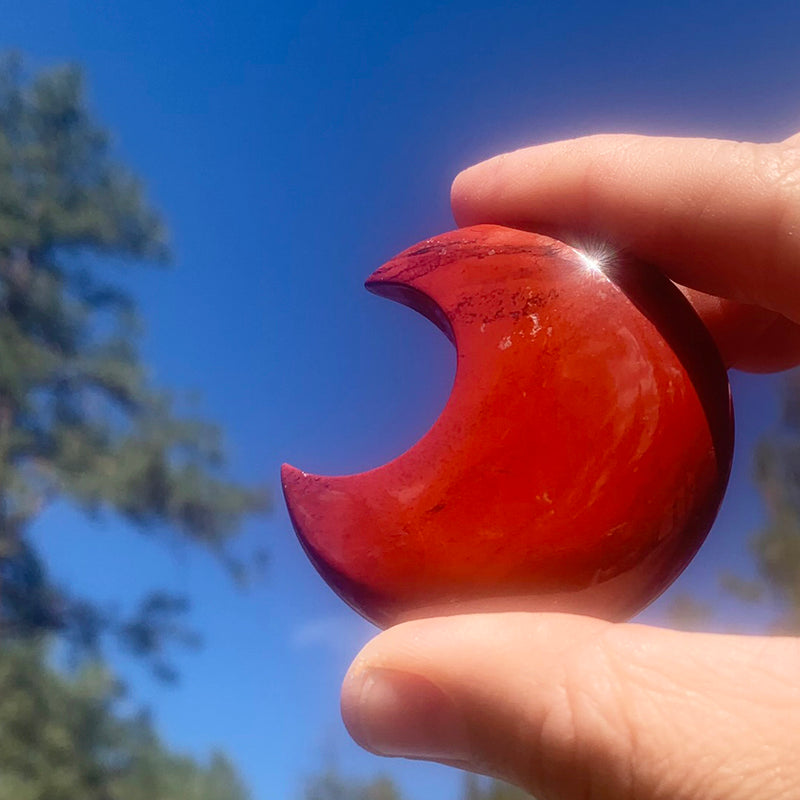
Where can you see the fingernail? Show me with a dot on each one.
(394, 713)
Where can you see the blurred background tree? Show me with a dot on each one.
(330, 784)
(79, 418)
(62, 738)
(477, 788)
(775, 546)
(80, 421)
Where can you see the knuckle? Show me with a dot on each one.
(776, 168)
(629, 717)
(775, 172)
(618, 702)
(783, 170)
(588, 716)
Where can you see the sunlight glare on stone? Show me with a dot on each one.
(596, 257)
(592, 263)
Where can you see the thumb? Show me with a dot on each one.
(572, 707)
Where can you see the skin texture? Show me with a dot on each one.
(573, 708)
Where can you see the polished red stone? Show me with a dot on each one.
(578, 464)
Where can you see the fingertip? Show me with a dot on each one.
(473, 192)
(392, 712)
(460, 193)
(350, 704)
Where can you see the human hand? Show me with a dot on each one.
(573, 707)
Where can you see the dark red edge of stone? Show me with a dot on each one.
(664, 305)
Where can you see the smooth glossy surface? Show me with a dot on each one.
(578, 464)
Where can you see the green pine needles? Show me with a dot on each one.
(79, 418)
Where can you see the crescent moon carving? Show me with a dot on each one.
(580, 459)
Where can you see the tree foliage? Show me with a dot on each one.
(476, 788)
(63, 738)
(331, 784)
(79, 416)
(776, 547)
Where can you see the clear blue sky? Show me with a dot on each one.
(293, 147)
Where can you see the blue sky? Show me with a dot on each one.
(293, 147)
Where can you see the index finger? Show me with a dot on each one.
(718, 216)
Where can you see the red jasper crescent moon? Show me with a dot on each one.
(579, 461)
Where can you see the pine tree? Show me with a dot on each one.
(62, 737)
(776, 547)
(79, 417)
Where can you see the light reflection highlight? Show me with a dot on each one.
(593, 264)
(596, 257)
